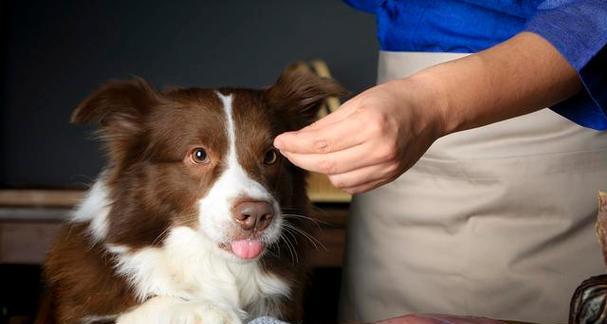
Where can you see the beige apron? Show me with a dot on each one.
(496, 221)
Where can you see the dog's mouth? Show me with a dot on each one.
(245, 249)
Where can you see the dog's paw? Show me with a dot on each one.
(169, 310)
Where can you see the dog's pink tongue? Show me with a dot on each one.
(247, 249)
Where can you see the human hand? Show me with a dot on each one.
(372, 139)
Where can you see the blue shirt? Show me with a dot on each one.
(577, 28)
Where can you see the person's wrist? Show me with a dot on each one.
(426, 93)
(437, 98)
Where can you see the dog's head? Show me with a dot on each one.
(202, 158)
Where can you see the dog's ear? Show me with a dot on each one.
(117, 104)
(118, 107)
(300, 93)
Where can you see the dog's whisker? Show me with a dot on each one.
(294, 230)
(289, 248)
(308, 236)
(290, 245)
(316, 222)
(270, 252)
(277, 254)
(160, 236)
(299, 216)
(276, 244)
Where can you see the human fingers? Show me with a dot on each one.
(345, 110)
(364, 187)
(352, 158)
(340, 114)
(321, 140)
(364, 177)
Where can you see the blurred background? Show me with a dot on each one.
(54, 53)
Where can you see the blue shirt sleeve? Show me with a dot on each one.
(578, 29)
(363, 5)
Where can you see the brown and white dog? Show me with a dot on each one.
(196, 218)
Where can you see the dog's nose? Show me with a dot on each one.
(253, 215)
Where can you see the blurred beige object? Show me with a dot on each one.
(40, 198)
(320, 188)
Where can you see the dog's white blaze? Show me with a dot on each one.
(215, 208)
(94, 209)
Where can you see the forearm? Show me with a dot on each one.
(380, 133)
(519, 76)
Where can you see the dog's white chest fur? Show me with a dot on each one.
(187, 268)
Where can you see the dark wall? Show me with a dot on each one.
(54, 53)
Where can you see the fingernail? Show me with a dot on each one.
(278, 143)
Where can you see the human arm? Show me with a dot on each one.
(380, 133)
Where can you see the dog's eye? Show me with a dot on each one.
(199, 155)
(270, 157)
